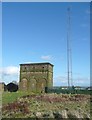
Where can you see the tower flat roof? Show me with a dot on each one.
(37, 63)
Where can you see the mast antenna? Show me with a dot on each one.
(69, 50)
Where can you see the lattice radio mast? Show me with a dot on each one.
(69, 50)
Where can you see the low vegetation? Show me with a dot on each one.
(46, 106)
(8, 97)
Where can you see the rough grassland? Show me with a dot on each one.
(53, 105)
(8, 97)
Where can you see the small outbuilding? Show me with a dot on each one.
(11, 87)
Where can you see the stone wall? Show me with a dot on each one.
(35, 77)
(1, 87)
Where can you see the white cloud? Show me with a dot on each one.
(84, 25)
(47, 57)
(88, 11)
(9, 74)
(85, 39)
(82, 80)
(10, 70)
(62, 81)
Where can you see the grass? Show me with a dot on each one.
(46, 104)
(8, 97)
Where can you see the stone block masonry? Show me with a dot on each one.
(36, 77)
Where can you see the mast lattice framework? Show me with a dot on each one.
(69, 50)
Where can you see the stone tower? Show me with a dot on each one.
(36, 77)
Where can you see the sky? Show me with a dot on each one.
(37, 32)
